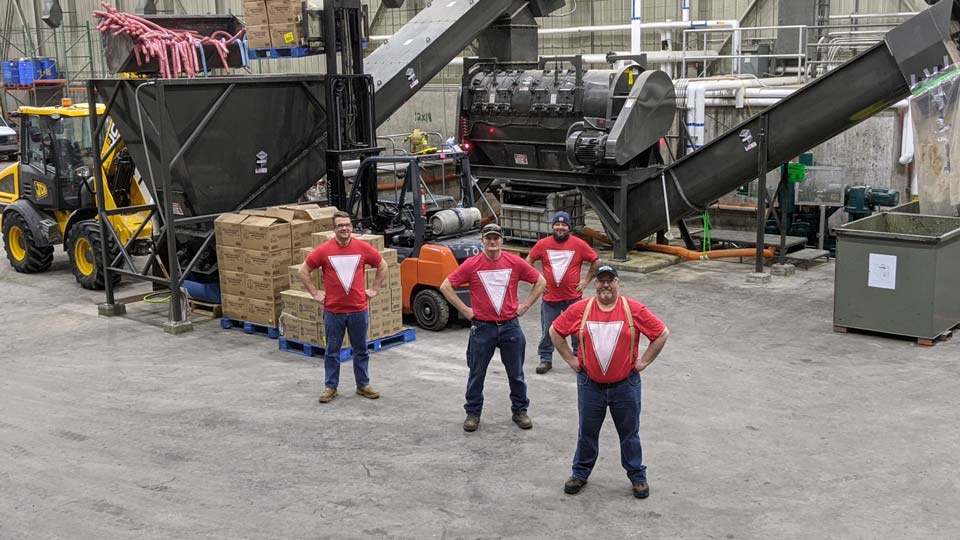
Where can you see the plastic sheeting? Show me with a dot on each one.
(936, 116)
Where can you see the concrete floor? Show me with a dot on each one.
(759, 422)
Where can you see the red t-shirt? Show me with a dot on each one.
(344, 278)
(561, 265)
(493, 284)
(606, 351)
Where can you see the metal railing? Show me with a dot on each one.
(737, 56)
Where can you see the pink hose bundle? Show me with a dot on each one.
(175, 50)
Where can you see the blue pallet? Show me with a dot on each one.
(278, 52)
(250, 328)
(308, 349)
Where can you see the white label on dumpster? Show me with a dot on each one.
(883, 271)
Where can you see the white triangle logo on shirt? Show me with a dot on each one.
(495, 282)
(559, 262)
(346, 268)
(604, 337)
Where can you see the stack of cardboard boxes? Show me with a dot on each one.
(302, 318)
(254, 252)
(272, 23)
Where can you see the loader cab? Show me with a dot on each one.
(56, 156)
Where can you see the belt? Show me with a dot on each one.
(607, 384)
(498, 323)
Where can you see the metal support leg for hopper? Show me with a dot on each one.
(758, 275)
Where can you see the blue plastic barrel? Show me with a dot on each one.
(11, 73)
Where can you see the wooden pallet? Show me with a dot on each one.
(214, 311)
(346, 353)
(924, 342)
(250, 327)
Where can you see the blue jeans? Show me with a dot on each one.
(335, 325)
(549, 311)
(485, 338)
(623, 398)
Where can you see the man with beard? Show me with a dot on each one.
(493, 277)
(608, 374)
(562, 257)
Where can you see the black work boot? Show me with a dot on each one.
(471, 423)
(544, 367)
(521, 419)
(641, 490)
(573, 485)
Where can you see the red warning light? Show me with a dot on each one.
(491, 131)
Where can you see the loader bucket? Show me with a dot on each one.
(228, 143)
(120, 57)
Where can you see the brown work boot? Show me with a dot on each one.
(471, 423)
(573, 485)
(544, 367)
(367, 392)
(328, 395)
(641, 490)
(521, 419)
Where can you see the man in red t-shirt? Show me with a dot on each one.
(343, 261)
(493, 277)
(608, 373)
(563, 256)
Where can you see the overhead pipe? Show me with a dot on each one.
(875, 15)
(653, 57)
(636, 27)
(663, 25)
(696, 89)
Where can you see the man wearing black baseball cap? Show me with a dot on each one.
(493, 277)
(562, 256)
(608, 368)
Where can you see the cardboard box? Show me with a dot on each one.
(374, 240)
(393, 277)
(300, 255)
(312, 332)
(227, 229)
(258, 36)
(262, 312)
(234, 307)
(321, 216)
(266, 288)
(291, 302)
(389, 255)
(255, 13)
(232, 283)
(263, 233)
(289, 326)
(269, 264)
(321, 237)
(371, 274)
(297, 285)
(310, 309)
(396, 299)
(285, 35)
(230, 258)
(283, 12)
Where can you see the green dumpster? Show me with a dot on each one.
(898, 273)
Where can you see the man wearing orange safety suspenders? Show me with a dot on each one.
(607, 328)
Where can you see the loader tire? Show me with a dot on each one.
(84, 246)
(20, 244)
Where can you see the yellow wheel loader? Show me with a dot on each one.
(48, 197)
